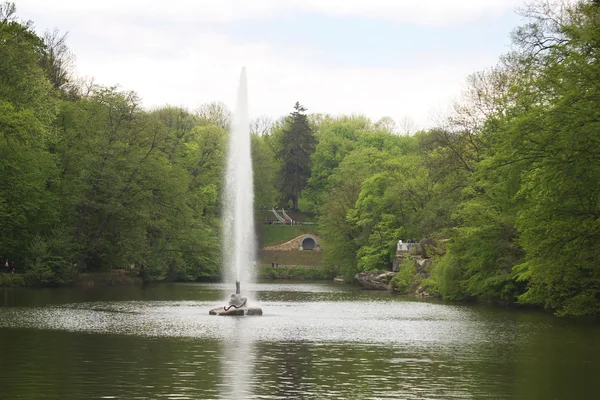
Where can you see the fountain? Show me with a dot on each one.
(238, 217)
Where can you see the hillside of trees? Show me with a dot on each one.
(90, 181)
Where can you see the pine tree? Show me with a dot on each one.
(297, 145)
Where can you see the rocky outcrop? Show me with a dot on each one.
(374, 280)
(422, 267)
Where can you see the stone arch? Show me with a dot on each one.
(309, 242)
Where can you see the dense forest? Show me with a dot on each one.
(507, 182)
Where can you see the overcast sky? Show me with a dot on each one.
(397, 58)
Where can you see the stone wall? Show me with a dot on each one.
(295, 244)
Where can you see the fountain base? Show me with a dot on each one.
(236, 311)
(237, 306)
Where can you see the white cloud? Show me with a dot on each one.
(207, 70)
(429, 12)
(186, 65)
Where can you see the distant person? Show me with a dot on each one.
(12, 267)
(399, 244)
(6, 266)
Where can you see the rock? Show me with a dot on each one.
(423, 267)
(427, 245)
(396, 264)
(374, 280)
(225, 311)
(422, 292)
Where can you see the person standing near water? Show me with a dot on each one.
(6, 265)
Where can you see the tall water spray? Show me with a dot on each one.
(238, 219)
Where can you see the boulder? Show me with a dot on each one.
(374, 280)
(423, 267)
(427, 245)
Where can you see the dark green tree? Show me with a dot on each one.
(297, 145)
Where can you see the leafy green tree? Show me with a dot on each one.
(336, 138)
(339, 232)
(214, 113)
(27, 110)
(559, 152)
(264, 168)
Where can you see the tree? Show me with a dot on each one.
(214, 113)
(27, 111)
(555, 142)
(386, 124)
(297, 145)
(56, 59)
(261, 125)
(264, 172)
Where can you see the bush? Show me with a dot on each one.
(44, 267)
(405, 278)
(11, 280)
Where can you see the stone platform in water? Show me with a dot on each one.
(236, 311)
(237, 306)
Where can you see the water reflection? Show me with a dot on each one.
(237, 361)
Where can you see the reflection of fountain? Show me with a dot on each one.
(238, 219)
(238, 361)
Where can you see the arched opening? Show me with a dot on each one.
(309, 244)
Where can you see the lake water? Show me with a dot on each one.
(314, 341)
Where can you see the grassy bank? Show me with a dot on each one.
(277, 234)
(112, 278)
(266, 215)
(12, 280)
(283, 258)
(295, 273)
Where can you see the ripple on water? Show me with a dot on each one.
(411, 323)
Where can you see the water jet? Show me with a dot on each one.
(239, 252)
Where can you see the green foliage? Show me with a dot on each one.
(94, 182)
(265, 171)
(44, 266)
(297, 143)
(12, 280)
(27, 109)
(405, 278)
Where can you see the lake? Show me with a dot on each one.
(315, 340)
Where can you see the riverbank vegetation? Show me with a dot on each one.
(508, 181)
